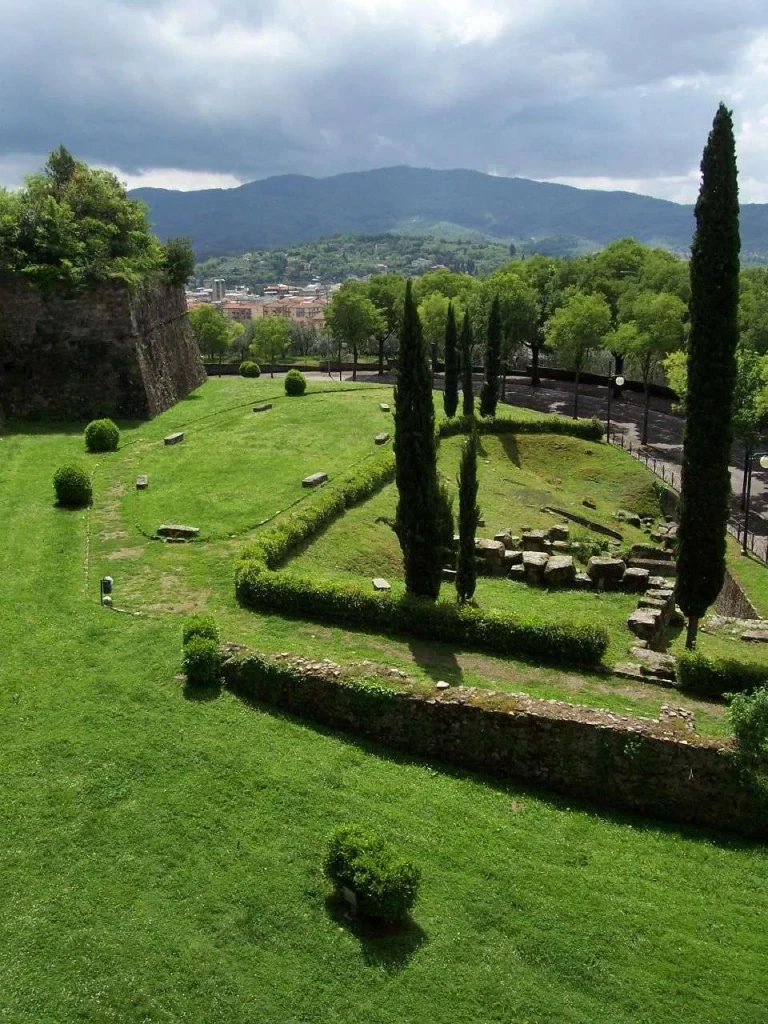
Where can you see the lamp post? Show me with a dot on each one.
(763, 457)
(619, 383)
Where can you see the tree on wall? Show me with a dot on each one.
(469, 514)
(468, 403)
(451, 386)
(270, 340)
(706, 479)
(419, 521)
(576, 329)
(489, 395)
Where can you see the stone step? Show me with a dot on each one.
(177, 530)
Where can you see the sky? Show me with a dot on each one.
(195, 94)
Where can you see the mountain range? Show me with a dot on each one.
(294, 208)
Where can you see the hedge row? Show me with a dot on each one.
(714, 677)
(587, 430)
(346, 604)
(299, 526)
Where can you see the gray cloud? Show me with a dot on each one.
(620, 89)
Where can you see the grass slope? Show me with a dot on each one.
(160, 856)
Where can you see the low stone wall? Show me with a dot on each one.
(630, 763)
(107, 351)
(733, 603)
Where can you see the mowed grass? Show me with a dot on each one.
(160, 857)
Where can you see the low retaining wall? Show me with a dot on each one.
(629, 763)
(733, 602)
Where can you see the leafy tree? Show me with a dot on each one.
(387, 292)
(239, 338)
(270, 340)
(489, 395)
(352, 319)
(655, 326)
(468, 403)
(420, 514)
(178, 261)
(433, 314)
(575, 330)
(706, 483)
(451, 386)
(211, 330)
(469, 514)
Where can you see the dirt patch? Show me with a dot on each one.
(117, 491)
(113, 534)
(121, 553)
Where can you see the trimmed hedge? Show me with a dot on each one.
(295, 383)
(385, 884)
(72, 486)
(298, 526)
(250, 369)
(586, 430)
(714, 677)
(102, 436)
(202, 661)
(346, 604)
(199, 625)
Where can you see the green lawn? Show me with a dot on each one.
(160, 856)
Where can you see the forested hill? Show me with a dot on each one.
(451, 204)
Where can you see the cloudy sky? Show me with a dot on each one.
(201, 93)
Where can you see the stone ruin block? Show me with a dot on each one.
(646, 623)
(314, 480)
(534, 564)
(582, 581)
(176, 438)
(559, 571)
(559, 532)
(606, 573)
(535, 540)
(635, 581)
(178, 531)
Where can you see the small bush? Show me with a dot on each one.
(384, 883)
(749, 720)
(295, 383)
(73, 487)
(714, 677)
(102, 436)
(200, 625)
(202, 661)
(250, 369)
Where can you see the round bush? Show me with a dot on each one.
(202, 661)
(250, 369)
(384, 884)
(73, 487)
(199, 625)
(102, 436)
(295, 383)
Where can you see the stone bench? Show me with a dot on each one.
(142, 482)
(314, 480)
(381, 438)
(174, 438)
(176, 530)
(262, 407)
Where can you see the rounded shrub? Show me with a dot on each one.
(73, 487)
(295, 383)
(202, 661)
(199, 625)
(385, 884)
(748, 715)
(250, 369)
(102, 436)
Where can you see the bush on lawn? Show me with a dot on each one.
(199, 625)
(102, 436)
(202, 661)
(295, 383)
(714, 677)
(748, 716)
(250, 369)
(347, 604)
(73, 487)
(384, 883)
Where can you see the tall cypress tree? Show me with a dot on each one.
(468, 404)
(451, 389)
(419, 518)
(469, 513)
(489, 396)
(706, 484)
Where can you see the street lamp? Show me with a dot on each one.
(619, 383)
(763, 457)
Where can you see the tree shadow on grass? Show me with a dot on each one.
(509, 444)
(389, 946)
(437, 660)
(201, 694)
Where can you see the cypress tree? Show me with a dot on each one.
(451, 390)
(469, 513)
(706, 483)
(468, 404)
(419, 517)
(489, 396)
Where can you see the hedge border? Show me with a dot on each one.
(715, 677)
(585, 430)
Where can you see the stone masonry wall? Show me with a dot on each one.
(631, 763)
(105, 352)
